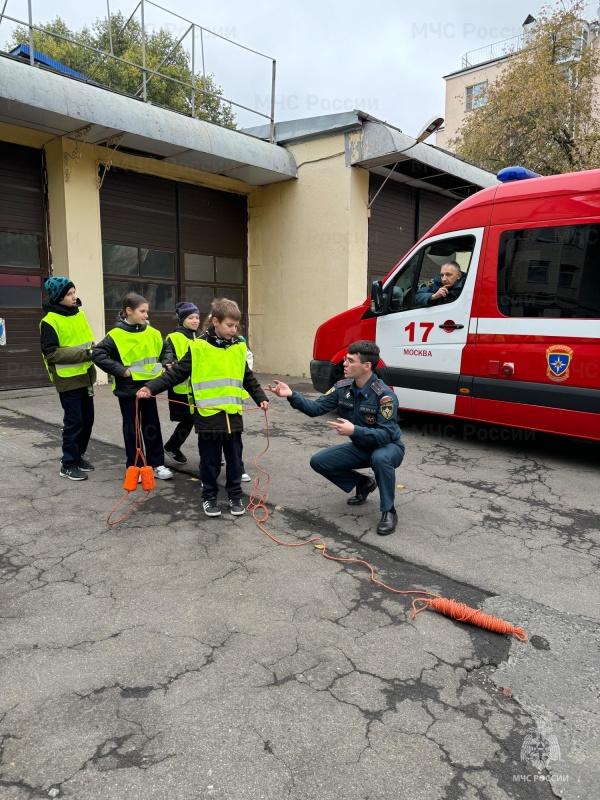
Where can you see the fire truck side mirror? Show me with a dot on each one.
(377, 297)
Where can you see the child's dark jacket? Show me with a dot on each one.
(215, 424)
(106, 356)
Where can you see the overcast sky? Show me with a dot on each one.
(386, 57)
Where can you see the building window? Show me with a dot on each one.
(538, 271)
(566, 277)
(476, 96)
(221, 277)
(150, 273)
(550, 272)
(19, 250)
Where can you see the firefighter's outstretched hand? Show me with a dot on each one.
(143, 392)
(343, 427)
(280, 389)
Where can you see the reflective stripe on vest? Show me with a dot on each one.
(219, 382)
(139, 351)
(72, 331)
(181, 344)
(218, 377)
(155, 367)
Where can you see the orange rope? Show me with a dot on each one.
(139, 453)
(458, 611)
(258, 505)
(462, 613)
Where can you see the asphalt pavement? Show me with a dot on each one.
(173, 655)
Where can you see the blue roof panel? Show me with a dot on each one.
(40, 58)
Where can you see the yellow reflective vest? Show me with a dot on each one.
(181, 343)
(218, 377)
(139, 352)
(72, 331)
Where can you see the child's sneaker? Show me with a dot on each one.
(246, 478)
(162, 473)
(237, 507)
(85, 466)
(73, 474)
(211, 509)
(176, 455)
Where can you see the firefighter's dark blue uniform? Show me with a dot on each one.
(376, 441)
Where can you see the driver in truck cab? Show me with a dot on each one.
(444, 288)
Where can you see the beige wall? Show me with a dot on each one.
(307, 254)
(74, 211)
(456, 86)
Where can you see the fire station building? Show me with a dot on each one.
(121, 195)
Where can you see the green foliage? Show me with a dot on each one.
(162, 55)
(542, 111)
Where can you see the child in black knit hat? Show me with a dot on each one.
(185, 332)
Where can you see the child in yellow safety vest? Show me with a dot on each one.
(184, 333)
(133, 352)
(66, 340)
(221, 379)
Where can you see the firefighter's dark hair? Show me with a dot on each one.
(366, 351)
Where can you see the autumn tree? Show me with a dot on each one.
(163, 55)
(542, 111)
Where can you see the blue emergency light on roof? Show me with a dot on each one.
(516, 174)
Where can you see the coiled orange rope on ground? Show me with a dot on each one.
(260, 513)
(462, 613)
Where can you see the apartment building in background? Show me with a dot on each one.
(467, 88)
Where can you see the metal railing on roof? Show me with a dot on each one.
(494, 51)
(192, 34)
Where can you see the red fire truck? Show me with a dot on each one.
(520, 345)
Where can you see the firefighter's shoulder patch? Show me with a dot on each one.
(330, 391)
(386, 406)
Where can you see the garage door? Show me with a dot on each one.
(171, 241)
(391, 226)
(23, 266)
(399, 217)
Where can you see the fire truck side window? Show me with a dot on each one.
(425, 265)
(550, 272)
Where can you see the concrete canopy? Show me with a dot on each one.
(384, 150)
(60, 106)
